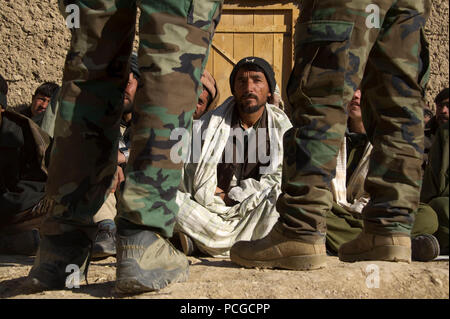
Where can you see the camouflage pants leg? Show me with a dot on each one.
(334, 45)
(175, 37)
(84, 153)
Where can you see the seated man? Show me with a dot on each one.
(24, 154)
(209, 98)
(440, 118)
(435, 183)
(228, 190)
(344, 221)
(39, 102)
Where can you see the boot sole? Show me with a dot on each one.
(382, 253)
(34, 285)
(424, 248)
(306, 262)
(186, 244)
(132, 279)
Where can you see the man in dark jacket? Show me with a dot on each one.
(440, 118)
(39, 102)
(24, 150)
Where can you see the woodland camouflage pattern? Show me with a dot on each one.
(335, 53)
(175, 36)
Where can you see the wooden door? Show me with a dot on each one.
(253, 28)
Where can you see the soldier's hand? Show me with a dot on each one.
(121, 158)
(219, 192)
(119, 177)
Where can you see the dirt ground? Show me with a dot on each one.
(221, 279)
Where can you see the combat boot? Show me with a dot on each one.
(376, 247)
(187, 244)
(105, 240)
(424, 247)
(62, 260)
(147, 262)
(278, 251)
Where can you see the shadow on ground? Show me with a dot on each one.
(14, 287)
(11, 260)
(215, 263)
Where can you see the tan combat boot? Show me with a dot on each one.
(278, 251)
(147, 261)
(376, 247)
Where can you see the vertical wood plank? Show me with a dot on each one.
(279, 19)
(264, 42)
(210, 64)
(222, 67)
(243, 42)
(288, 53)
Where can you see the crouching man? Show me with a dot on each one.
(232, 179)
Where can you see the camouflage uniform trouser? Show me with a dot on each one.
(175, 37)
(335, 53)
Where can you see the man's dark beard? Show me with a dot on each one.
(128, 106)
(249, 109)
(354, 102)
(442, 118)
